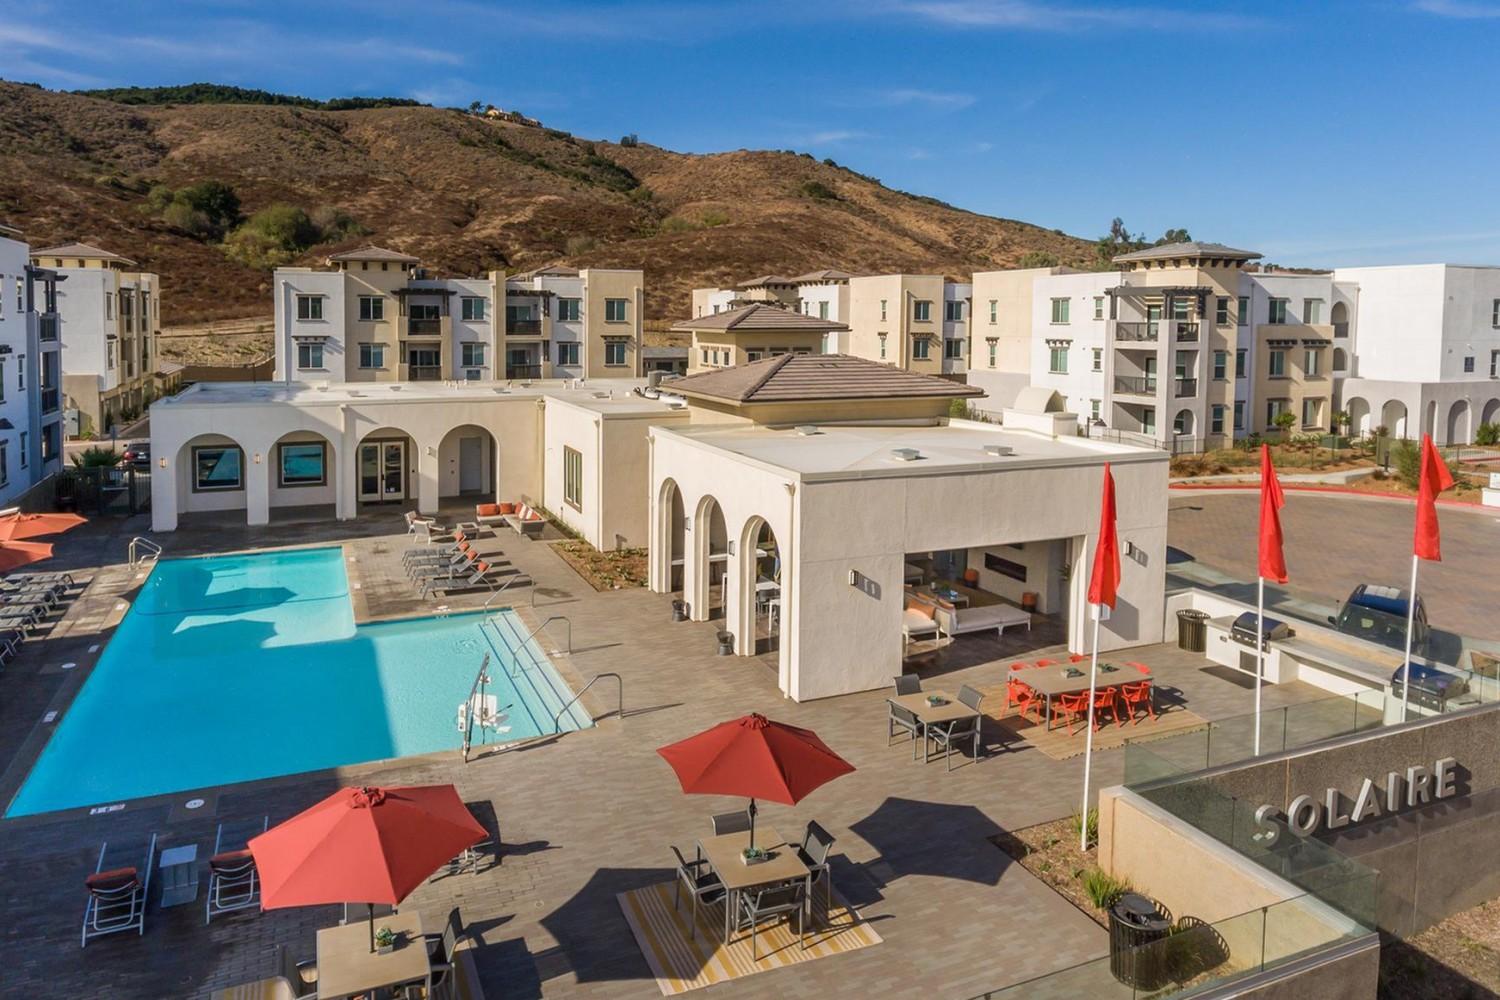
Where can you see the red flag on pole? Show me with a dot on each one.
(1272, 559)
(1104, 582)
(1435, 479)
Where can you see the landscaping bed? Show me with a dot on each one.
(605, 570)
(1459, 957)
(1050, 852)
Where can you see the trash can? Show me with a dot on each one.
(1192, 630)
(726, 643)
(1135, 922)
(679, 611)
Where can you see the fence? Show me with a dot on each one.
(103, 491)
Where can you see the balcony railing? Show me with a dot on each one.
(1185, 330)
(424, 373)
(1187, 388)
(49, 400)
(424, 327)
(1146, 332)
(524, 328)
(48, 327)
(523, 371)
(1135, 384)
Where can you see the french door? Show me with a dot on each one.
(382, 470)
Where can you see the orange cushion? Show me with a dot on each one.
(114, 878)
(507, 508)
(919, 606)
(488, 509)
(229, 859)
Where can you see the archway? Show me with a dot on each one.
(385, 467)
(1359, 416)
(1491, 412)
(1340, 360)
(671, 546)
(761, 607)
(1339, 317)
(1393, 418)
(211, 475)
(711, 559)
(1183, 423)
(302, 471)
(469, 464)
(1459, 431)
(1430, 417)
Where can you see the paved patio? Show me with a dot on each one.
(583, 816)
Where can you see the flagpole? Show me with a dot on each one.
(1088, 745)
(1260, 651)
(1411, 614)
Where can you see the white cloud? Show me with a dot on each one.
(1031, 15)
(984, 147)
(1457, 9)
(930, 98)
(919, 154)
(834, 136)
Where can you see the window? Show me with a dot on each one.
(518, 314)
(953, 349)
(1005, 567)
(1242, 315)
(614, 312)
(2, 380)
(995, 305)
(1094, 409)
(573, 478)
(1312, 361)
(424, 310)
(371, 308)
(4, 463)
(1057, 362)
(1221, 365)
(1148, 420)
(23, 450)
(109, 307)
(993, 345)
(822, 310)
(1276, 366)
(614, 351)
(1216, 419)
(1241, 364)
(1180, 308)
(882, 310)
(302, 464)
(308, 306)
(1239, 414)
(1495, 364)
(372, 355)
(1059, 311)
(1278, 311)
(471, 307)
(472, 355)
(882, 346)
(21, 372)
(1310, 413)
(953, 312)
(921, 311)
(310, 354)
(1312, 311)
(1495, 314)
(567, 353)
(921, 349)
(1098, 364)
(216, 468)
(1221, 310)
(569, 310)
(1274, 409)
(1098, 307)
(1469, 365)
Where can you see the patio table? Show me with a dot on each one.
(952, 710)
(1049, 682)
(347, 967)
(723, 855)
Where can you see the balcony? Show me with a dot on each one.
(49, 401)
(424, 373)
(1137, 332)
(524, 328)
(48, 327)
(1186, 388)
(523, 371)
(1135, 385)
(424, 328)
(1185, 331)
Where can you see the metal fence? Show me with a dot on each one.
(103, 491)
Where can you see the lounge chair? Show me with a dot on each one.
(419, 552)
(475, 575)
(62, 577)
(233, 882)
(443, 569)
(774, 903)
(701, 883)
(989, 617)
(735, 822)
(117, 896)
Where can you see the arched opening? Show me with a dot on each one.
(211, 471)
(1458, 423)
(1339, 317)
(1491, 412)
(1393, 418)
(1359, 416)
(760, 590)
(1183, 423)
(1340, 360)
(385, 467)
(1430, 417)
(469, 464)
(302, 469)
(671, 548)
(711, 555)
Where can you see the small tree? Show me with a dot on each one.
(96, 458)
(1284, 421)
(1487, 434)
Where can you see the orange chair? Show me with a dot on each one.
(1020, 666)
(1137, 695)
(1076, 657)
(1018, 692)
(1045, 663)
(1139, 666)
(1106, 699)
(1073, 707)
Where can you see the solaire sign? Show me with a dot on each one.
(1307, 814)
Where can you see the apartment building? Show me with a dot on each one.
(375, 315)
(111, 319)
(919, 322)
(750, 332)
(30, 369)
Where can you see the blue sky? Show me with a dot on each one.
(1318, 133)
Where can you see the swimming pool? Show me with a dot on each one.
(234, 668)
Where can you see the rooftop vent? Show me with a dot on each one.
(395, 388)
(999, 450)
(808, 430)
(905, 454)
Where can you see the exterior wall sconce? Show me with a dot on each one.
(431, 451)
(257, 458)
(731, 546)
(161, 463)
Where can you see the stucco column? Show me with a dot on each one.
(346, 468)
(695, 568)
(258, 486)
(427, 476)
(164, 495)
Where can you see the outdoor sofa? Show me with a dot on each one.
(519, 516)
(953, 621)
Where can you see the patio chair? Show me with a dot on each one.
(1135, 696)
(428, 532)
(773, 903)
(117, 896)
(1141, 668)
(285, 983)
(947, 735)
(1046, 663)
(302, 977)
(471, 577)
(1073, 707)
(908, 684)
(418, 553)
(970, 697)
(446, 563)
(355, 913)
(816, 843)
(1106, 700)
(413, 518)
(1019, 693)
(233, 882)
(701, 882)
(427, 580)
(468, 859)
(905, 720)
(735, 822)
(441, 949)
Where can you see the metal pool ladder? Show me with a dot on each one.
(620, 707)
(474, 706)
(142, 552)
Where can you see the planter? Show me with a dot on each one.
(385, 949)
(756, 859)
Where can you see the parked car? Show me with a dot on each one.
(1378, 614)
(138, 455)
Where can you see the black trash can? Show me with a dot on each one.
(726, 643)
(679, 611)
(1136, 922)
(1192, 630)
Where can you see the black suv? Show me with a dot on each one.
(1378, 614)
(138, 455)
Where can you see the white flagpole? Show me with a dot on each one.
(1411, 614)
(1260, 651)
(1088, 746)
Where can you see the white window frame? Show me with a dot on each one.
(1276, 311)
(371, 356)
(1312, 312)
(1060, 311)
(573, 478)
(472, 308)
(1312, 361)
(994, 311)
(310, 346)
(309, 308)
(921, 311)
(1098, 360)
(615, 348)
(1057, 360)
(372, 309)
(472, 354)
(1242, 311)
(617, 311)
(1276, 362)
(921, 349)
(570, 310)
(567, 353)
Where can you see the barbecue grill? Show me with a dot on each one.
(1431, 688)
(1243, 631)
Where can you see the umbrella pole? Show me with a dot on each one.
(752, 822)
(370, 908)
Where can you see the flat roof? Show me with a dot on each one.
(601, 394)
(861, 451)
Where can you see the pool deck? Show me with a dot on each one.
(582, 816)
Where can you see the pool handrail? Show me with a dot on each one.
(620, 704)
(138, 544)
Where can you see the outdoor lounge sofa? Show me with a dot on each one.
(518, 516)
(919, 619)
(999, 617)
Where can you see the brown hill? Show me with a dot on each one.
(466, 195)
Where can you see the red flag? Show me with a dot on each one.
(1435, 479)
(1272, 559)
(1104, 582)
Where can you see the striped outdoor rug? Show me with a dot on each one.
(682, 963)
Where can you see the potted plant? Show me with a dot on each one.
(754, 855)
(385, 940)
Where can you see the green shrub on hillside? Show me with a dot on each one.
(819, 191)
(205, 210)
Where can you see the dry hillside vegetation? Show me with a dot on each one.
(464, 193)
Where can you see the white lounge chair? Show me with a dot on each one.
(117, 896)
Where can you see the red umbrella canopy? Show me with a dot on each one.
(363, 845)
(754, 758)
(14, 555)
(14, 527)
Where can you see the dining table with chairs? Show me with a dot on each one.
(1047, 689)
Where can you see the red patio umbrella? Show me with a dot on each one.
(15, 527)
(14, 555)
(364, 845)
(755, 758)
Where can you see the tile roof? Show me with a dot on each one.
(371, 252)
(1192, 249)
(789, 378)
(827, 274)
(765, 279)
(550, 271)
(82, 250)
(759, 316)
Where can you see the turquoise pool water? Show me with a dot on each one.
(234, 668)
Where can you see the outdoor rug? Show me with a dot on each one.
(1058, 745)
(681, 963)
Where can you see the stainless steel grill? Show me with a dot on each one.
(1243, 631)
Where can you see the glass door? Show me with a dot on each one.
(382, 470)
